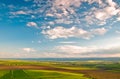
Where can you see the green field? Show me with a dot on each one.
(38, 74)
(19, 69)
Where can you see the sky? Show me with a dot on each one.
(59, 28)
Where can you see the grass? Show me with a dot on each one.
(15, 74)
(3, 72)
(61, 70)
(40, 74)
(45, 74)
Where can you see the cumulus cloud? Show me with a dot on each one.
(69, 12)
(19, 13)
(106, 10)
(28, 50)
(31, 24)
(83, 51)
(106, 13)
(88, 51)
(61, 32)
(99, 31)
(67, 3)
(56, 14)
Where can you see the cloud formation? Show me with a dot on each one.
(61, 32)
(19, 13)
(99, 31)
(54, 13)
(68, 42)
(89, 51)
(31, 24)
(69, 21)
(28, 50)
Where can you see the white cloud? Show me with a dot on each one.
(106, 12)
(67, 42)
(28, 50)
(61, 32)
(45, 27)
(19, 13)
(89, 51)
(111, 50)
(67, 3)
(67, 11)
(51, 15)
(75, 49)
(111, 3)
(100, 2)
(64, 21)
(117, 31)
(62, 10)
(102, 14)
(118, 38)
(51, 23)
(32, 24)
(99, 31)
(118, 19)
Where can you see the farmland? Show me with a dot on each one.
(39, 74)
(24, 69)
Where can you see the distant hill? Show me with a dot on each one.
(66, 59)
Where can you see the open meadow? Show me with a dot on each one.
(24, 69)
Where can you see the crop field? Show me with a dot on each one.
(23, 69)
(39, 74)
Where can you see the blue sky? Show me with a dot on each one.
(59, 28)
